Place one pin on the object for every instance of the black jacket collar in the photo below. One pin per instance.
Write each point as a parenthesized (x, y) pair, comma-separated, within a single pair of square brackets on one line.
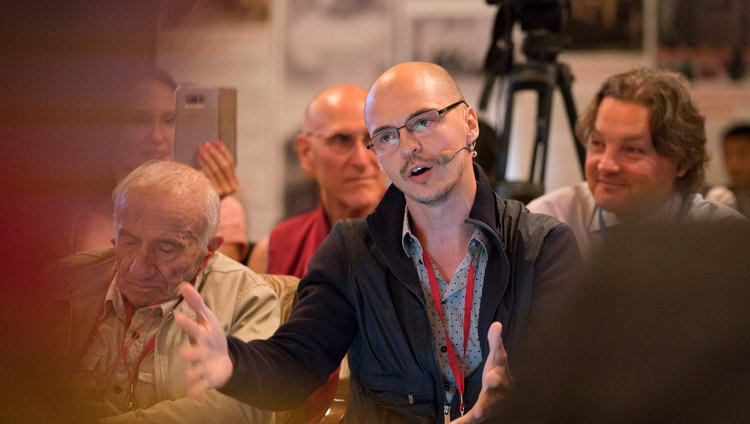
[(386, 222)]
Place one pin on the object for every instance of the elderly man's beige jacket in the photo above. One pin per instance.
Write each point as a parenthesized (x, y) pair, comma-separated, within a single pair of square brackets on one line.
[(242, 301)]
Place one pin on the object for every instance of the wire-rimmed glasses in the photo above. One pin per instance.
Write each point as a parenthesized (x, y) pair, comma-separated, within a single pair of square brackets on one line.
[(425, 123)]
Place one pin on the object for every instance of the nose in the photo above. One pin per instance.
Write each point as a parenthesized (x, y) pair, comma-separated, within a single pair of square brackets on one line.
[(141, 265), (360, 155), (157, 133), (608, 162), (408, 143)]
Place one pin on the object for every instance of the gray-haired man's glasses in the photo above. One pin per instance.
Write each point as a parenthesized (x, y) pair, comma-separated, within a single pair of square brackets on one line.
[(342, 142)]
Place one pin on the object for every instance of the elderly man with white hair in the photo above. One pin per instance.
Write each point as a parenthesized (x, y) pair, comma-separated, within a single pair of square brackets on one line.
[(121, 341)]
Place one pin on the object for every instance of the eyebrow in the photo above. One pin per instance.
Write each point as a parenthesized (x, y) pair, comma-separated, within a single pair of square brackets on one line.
[(634, 137), (387, 127), (126, 233), (169, 240)]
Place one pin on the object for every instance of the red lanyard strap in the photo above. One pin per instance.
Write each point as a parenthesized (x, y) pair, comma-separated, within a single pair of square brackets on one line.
[(133, 377), (468, 299)]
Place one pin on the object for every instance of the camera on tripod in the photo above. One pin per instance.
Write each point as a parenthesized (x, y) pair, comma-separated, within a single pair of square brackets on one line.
[(544, 23)]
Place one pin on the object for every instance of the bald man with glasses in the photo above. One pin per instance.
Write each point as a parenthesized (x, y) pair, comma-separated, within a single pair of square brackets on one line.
[(332, 149), (432, 295)]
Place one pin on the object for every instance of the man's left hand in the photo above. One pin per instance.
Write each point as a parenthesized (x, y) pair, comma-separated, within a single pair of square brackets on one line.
[(218, 165), (496, 380)]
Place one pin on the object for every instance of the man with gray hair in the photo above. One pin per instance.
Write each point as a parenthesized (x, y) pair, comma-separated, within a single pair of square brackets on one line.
[(121, 341)]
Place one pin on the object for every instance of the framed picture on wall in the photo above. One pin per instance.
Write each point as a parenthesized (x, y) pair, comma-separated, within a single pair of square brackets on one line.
[(197, 13), (704, 39), (335, 41), (606, 25), (452, 34)]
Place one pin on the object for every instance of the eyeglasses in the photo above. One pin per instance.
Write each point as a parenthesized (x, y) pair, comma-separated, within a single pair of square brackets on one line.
[(342, 142), (425, 123)]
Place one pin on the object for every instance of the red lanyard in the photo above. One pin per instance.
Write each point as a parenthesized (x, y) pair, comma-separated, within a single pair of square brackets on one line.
[(133, 377), (468, 299)]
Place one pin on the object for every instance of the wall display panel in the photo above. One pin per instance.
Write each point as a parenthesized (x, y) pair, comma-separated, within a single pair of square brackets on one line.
[(610, 25), (704, 39)]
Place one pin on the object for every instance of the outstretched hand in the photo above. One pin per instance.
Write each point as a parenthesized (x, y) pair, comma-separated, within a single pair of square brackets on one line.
[(496, 380), (218, 165), (207, 358)]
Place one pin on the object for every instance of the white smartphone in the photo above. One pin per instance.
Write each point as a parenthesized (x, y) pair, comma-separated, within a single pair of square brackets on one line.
[(204, 114)]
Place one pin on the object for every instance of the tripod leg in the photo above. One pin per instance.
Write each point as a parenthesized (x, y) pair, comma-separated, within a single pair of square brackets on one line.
[(565, 80), (503, 136), (544, 109)]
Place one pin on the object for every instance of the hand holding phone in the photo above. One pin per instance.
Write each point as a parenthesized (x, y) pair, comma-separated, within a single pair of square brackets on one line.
[(205, 115), (217, 164)]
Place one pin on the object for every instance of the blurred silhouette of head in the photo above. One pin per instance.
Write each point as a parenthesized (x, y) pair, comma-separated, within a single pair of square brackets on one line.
[(658, 332), (736, 141)]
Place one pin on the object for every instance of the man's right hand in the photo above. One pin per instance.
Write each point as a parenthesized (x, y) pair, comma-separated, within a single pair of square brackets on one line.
[(207, 358), (496, 381)]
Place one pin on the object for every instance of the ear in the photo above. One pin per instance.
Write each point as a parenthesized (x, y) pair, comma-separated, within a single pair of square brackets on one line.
[(682, 169), (304, 152), (472, 125), (215, 242)]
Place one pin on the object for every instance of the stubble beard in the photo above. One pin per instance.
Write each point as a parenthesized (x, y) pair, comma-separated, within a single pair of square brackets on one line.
[(437, 198)]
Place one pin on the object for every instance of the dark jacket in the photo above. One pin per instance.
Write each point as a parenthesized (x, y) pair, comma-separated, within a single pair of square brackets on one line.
[(362, 294)]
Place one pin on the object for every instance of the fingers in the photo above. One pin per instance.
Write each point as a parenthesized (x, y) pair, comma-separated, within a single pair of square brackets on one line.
[(217, 164), (205, 323), (197, 370), (494, 335), (498, 355), (191, 357), (190, 327), (192, 373), (469, 418), (496, 379), (196, 389), (194, 299)]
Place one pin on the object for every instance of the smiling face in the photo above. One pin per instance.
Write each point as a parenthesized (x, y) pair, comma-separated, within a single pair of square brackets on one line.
[(157, 244), (625, 173), (332, 150), (415, 165), (148, 128)]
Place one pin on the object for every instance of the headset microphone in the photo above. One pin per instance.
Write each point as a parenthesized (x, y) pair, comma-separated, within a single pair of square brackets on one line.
[(447, 155)]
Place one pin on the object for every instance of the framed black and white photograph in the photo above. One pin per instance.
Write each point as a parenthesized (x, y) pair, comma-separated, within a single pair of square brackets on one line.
[(331, 42), (198, 13), (704, 39), (452, 34), (605, 25)]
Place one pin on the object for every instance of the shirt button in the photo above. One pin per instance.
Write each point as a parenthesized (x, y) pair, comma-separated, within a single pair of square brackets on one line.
[(443, 349)]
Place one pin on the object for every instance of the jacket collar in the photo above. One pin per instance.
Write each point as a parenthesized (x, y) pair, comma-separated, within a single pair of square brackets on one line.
[(386, 222), (485, 210), (385, 226), (200, 280)]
